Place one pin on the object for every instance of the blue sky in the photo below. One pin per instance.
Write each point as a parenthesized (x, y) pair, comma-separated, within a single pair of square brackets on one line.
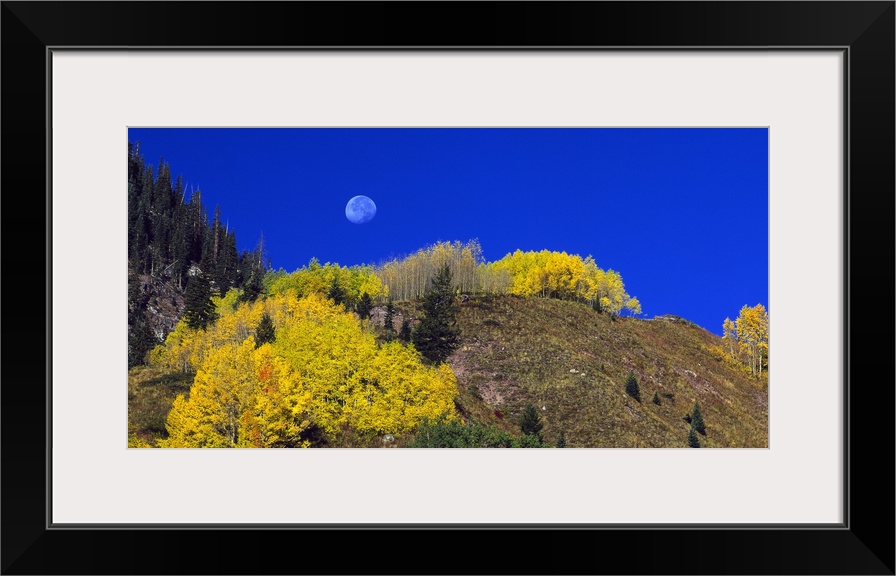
[(681, 214)]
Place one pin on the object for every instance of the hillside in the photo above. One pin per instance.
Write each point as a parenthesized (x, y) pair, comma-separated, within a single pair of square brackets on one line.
[(572, 362), (568, 360)]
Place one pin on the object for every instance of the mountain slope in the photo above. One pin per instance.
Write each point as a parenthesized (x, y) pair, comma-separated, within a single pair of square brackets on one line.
[(572, 362)]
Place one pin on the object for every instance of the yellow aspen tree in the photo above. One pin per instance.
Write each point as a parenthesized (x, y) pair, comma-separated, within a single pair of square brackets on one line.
[(278, 415), (729, 334), (752, 333)]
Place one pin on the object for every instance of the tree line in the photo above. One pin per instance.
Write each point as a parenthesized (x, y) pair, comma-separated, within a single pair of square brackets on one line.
[(746, 338), (288, 371), (544, 274), (172, 242)]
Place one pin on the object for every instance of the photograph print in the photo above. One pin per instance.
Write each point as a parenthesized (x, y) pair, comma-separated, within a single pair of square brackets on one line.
[(448, 288)]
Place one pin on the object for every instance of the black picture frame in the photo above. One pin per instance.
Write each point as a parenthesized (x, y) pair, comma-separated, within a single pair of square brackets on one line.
[(864, 544)]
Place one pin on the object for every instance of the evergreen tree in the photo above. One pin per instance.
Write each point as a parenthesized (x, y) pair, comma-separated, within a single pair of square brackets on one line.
[(162, 217), (405, 333), (265, 331), (364, 306), (195, 227), (530, 422), (221, 254), (697, 419), (141, 253), (200, 310), (389, 320), (336, 293), (437, 335), (140, 341), (656, 398), (180, 249), (631, 387), (250, 278), (230, 259), (561, 441), (253, 267), (693, 441), (135, 194)]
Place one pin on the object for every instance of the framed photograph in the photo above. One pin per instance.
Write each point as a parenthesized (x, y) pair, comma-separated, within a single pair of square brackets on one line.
[(814, 79)]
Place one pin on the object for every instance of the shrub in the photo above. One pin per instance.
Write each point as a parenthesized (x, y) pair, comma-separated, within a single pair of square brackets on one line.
[(440, 433), (697, 419), (529, 441), (561, 440), (631, 387)]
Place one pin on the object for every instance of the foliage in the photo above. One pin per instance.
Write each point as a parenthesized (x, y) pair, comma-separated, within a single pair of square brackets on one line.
[(440, 432), (405, 333), (746, 339), (752, 334), (729, 335), (561, 440), (322, 375), (697, 422), (169, 233), (411, 277), (437, 335), (348, 285), (265, 331), (253, 267), (200, 310), (545, 274), (567, 277), (656, 398), (336, 293), (530, 441), (631, 386), (227, 304), (530, 421), (140, 341), (389, 319), (693, 441), (364, 306), (134, 441)]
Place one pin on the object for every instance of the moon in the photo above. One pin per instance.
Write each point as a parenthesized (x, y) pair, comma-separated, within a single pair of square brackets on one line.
[(360, 210)]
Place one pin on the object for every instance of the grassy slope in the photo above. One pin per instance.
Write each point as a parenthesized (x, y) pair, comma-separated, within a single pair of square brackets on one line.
[(150, 395), (516, 350)]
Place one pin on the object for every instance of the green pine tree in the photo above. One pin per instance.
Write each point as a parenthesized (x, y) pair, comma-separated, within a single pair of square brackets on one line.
[(437, 335), (656, 398), (200, 310), (530, 422), (693, 441), (389, 320), (336, 293), (697, 422), (251, 278), (405, 333), (364, 305), (561, 441), (140, 341), (265, 331), (631, 386), (253, 267)]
